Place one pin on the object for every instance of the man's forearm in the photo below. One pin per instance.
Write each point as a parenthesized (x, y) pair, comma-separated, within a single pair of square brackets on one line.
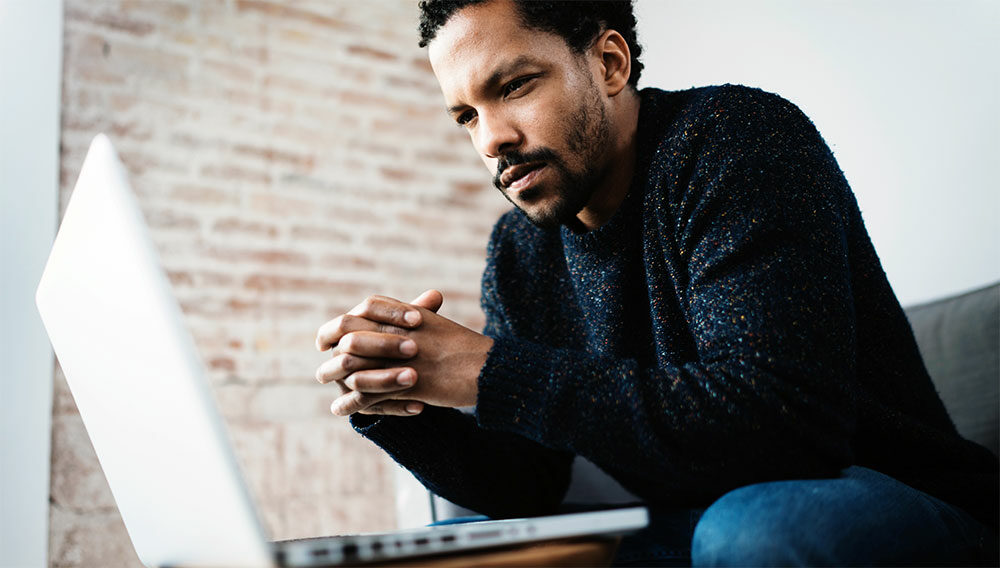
[(498, 474)]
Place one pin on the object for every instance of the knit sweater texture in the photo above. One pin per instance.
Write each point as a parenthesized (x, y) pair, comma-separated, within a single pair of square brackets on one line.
[(730, 324)]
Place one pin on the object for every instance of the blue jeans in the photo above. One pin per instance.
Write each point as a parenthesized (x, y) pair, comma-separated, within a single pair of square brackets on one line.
[(861, 518)]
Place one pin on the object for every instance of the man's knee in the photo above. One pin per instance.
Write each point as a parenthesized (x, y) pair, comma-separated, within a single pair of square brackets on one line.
[(860, 518), (746, 527)]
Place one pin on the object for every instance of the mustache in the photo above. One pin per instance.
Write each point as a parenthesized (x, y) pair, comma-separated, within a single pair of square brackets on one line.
[(514, 158)]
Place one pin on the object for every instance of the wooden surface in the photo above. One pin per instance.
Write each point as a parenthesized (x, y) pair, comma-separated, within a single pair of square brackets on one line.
[(577, 552)]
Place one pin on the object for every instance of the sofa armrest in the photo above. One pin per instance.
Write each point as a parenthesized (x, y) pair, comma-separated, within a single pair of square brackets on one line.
[(959, 338)]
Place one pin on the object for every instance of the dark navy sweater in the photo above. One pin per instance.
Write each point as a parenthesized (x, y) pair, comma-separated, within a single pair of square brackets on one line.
[(730, 324)]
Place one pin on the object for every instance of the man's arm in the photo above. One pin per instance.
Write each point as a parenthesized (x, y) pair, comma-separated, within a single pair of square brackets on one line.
[(498, 474), (767, 293)]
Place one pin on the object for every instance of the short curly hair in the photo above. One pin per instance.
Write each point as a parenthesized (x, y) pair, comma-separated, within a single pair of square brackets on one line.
[(579, 22)]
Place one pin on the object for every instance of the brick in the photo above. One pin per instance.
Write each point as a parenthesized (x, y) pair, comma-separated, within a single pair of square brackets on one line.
[(280, 205), (471, 187), (287, 309), (234, 173), (228, 70), (170, 219), (146, 63), (270, 282), (77, 479), (301, 161), (203, 195), (112, 20), (222, 364), (400, 242), (280, 11), (85, 539), (179, 278), (199, 279), (367, 52), (348, 218), (342, 262), (327, 234), (163, 13), (231, 225), (235, 308), (397, 174)]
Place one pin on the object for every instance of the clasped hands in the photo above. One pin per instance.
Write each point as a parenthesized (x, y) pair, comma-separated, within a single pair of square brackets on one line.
[(392, 358)]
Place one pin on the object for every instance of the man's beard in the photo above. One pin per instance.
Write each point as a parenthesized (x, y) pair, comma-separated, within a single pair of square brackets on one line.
[(588, 138)]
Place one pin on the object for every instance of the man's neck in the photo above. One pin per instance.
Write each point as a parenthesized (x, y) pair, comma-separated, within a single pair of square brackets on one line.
[(621, 165)]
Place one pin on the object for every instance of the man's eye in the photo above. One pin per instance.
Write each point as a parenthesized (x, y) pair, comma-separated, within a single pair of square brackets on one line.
[(464, 118), (515, 85)]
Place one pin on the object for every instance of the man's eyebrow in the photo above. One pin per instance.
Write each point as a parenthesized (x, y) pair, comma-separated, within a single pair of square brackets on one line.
[(497, 75)]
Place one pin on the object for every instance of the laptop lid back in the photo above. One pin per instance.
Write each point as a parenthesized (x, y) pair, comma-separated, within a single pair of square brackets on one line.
[(138, 382)]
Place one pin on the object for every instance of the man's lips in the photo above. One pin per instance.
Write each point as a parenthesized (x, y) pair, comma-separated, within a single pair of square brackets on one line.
[(517, 177)]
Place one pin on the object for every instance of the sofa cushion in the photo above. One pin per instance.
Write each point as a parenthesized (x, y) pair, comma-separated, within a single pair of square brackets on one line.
[(959, 338)]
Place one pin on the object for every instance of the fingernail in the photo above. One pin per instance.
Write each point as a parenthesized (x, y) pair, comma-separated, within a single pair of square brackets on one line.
[(413, 408), (408, 347), (405, 378), (412, 318)]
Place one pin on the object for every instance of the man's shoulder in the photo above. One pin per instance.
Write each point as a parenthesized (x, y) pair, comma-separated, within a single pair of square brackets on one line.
[(715, 100), (730, 110)]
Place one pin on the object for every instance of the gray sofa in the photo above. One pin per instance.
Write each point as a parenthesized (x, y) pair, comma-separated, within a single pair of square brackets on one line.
[(959, 338)]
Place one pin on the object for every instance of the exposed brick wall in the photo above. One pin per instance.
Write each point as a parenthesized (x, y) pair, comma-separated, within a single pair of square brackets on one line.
[(291, 158)]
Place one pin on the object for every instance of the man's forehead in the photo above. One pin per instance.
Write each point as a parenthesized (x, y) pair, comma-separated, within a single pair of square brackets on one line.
[(481, 42), (475, 28)]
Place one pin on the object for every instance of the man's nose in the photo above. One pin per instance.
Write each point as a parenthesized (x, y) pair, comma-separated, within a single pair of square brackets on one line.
[(497, 135)]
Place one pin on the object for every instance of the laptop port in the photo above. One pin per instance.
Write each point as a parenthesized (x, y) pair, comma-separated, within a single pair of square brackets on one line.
[(485, 534), (350, 551)]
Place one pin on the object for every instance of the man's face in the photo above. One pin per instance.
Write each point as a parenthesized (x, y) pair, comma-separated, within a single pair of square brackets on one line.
[(531, 106)]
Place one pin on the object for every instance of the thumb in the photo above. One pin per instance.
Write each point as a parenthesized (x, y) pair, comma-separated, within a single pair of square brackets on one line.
[(431, 300)]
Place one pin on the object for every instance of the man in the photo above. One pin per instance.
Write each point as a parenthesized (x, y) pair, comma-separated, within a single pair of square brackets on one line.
[(685, 295)]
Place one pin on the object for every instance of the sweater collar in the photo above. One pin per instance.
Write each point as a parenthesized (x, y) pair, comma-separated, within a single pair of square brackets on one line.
[(609, 235)]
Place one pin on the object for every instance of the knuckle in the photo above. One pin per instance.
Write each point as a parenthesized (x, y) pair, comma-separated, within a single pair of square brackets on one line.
[(388, 328), (348, 342), (324, 333), (369, 304), (351, 383), (339, 325), (347, 362), (396, 314), (382, 343), (360, 400)]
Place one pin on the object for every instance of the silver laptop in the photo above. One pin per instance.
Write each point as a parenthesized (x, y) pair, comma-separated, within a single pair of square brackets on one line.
[(141, 389)]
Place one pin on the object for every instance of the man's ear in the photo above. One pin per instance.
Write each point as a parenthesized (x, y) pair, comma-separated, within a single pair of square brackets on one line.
[(616, 61)]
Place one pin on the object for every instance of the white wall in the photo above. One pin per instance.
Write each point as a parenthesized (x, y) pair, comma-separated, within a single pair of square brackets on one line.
[(30, 75), (905, 92)]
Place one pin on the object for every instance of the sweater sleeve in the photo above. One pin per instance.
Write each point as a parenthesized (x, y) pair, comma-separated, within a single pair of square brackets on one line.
[(755, 233), (495, 473)]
